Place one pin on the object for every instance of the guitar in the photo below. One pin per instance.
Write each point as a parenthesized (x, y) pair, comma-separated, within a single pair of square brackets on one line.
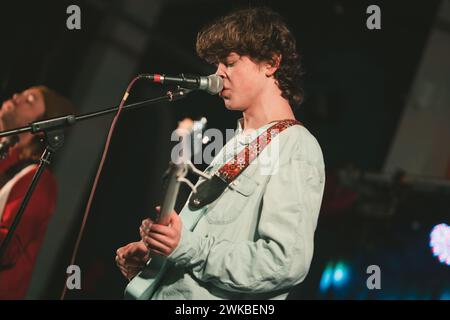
[(143, 285)]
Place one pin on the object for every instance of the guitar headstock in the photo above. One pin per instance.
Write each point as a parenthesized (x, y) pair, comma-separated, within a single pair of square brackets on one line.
[(189, 134)]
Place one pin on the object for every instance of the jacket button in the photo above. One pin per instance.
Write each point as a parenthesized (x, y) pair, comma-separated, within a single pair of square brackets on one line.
[(196, 202)]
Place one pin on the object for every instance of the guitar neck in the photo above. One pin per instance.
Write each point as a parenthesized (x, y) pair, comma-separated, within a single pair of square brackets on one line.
[(170, 194)]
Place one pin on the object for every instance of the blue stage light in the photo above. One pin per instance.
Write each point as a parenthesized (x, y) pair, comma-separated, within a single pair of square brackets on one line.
[(340, 274), (327, 277)]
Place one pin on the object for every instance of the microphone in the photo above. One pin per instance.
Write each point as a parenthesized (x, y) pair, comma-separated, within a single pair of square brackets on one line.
[(6, 144), (212, 84)]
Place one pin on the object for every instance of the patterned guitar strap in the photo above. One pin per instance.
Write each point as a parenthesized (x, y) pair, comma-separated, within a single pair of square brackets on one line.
[(209, 190)]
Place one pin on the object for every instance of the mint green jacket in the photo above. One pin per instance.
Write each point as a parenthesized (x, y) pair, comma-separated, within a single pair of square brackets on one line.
[(256, 241)]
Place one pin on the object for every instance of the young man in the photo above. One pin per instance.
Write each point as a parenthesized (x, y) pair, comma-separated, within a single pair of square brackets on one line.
[(256, 239), (17, 169)]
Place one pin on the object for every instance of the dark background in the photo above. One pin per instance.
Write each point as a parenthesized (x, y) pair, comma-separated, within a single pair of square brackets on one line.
[(356, 83)]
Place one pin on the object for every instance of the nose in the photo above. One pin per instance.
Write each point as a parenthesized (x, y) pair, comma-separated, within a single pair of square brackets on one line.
[(17, 98), (221, 70)]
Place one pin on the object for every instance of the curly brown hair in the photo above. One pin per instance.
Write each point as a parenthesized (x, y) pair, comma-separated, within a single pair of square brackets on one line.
[(262, 35)]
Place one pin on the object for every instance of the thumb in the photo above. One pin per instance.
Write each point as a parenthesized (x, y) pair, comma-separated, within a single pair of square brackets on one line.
[(175, 220)]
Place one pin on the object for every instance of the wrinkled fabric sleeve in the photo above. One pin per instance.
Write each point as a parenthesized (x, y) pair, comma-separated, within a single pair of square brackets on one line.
[(34, 220), (281, 255)]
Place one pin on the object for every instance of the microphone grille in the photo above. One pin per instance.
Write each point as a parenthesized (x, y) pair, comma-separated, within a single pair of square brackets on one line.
[(215, 84)]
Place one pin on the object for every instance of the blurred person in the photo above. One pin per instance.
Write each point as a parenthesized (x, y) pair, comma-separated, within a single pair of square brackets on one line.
[(16, 172)]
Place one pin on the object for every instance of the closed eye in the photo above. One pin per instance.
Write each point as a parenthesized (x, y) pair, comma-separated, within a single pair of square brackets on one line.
[(30, 98)]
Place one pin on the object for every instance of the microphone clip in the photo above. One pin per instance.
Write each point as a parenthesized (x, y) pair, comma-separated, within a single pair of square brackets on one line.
[(178, 94)]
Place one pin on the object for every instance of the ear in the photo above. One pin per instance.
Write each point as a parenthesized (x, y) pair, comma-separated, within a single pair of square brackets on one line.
[(273, 65)]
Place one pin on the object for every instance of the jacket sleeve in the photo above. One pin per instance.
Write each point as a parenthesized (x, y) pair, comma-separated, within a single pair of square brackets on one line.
[(34, 220), (281, 255)]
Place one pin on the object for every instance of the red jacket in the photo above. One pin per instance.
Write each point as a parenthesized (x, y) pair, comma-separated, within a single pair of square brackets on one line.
[(17, 264)]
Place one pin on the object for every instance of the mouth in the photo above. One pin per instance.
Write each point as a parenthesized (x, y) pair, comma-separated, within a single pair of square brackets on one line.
[(225, 92)]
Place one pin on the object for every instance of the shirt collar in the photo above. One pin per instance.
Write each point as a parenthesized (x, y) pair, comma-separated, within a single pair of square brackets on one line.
[(248, 137)]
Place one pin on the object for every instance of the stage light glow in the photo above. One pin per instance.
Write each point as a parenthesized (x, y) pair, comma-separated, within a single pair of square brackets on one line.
[(327, 278), (338, 275), (440, 243), (334, 275), (445, 295), (341, 274)]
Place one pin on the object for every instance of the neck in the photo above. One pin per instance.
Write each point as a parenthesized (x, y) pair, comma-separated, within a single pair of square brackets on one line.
[(270, 107)]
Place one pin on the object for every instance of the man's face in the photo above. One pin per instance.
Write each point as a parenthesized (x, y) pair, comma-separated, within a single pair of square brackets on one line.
[(22, 109), (243, 81)]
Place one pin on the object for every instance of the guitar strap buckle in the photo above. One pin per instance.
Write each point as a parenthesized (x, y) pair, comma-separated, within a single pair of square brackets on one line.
[(207, 192)]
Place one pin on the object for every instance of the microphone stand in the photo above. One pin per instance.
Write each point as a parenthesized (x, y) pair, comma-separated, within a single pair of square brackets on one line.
[(53, 130)]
